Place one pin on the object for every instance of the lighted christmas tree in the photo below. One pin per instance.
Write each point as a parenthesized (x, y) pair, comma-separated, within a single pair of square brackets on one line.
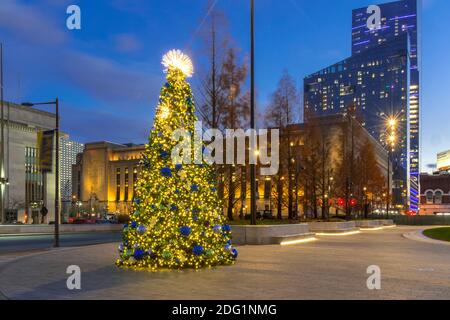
[(177, 219)]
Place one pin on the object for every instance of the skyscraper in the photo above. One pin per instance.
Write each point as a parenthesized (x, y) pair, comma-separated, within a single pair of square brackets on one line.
[(68, 157), (380, 81)]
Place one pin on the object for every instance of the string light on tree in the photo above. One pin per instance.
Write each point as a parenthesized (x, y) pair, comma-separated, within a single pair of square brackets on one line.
[(176, 220)]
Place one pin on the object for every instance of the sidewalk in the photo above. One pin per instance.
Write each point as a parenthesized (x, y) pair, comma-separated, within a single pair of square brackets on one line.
[(330, 268), (15, 230)]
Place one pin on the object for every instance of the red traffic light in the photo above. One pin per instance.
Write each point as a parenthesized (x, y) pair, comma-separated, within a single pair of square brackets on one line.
[(353, 202), (341, 202)]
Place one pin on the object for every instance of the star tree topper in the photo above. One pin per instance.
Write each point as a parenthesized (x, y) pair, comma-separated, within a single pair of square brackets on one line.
[(178, 60)]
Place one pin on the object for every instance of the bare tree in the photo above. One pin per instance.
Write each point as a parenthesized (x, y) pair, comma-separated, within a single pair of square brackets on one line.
[(234, 114), (281, 113)]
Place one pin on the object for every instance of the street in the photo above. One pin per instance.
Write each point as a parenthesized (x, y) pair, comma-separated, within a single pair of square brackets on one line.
[(333, 267), (24, 243)]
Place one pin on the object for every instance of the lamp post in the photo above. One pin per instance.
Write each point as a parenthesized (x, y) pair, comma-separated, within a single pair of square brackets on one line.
[(57, 195), (392, 124), (3, 180), (252, 111)]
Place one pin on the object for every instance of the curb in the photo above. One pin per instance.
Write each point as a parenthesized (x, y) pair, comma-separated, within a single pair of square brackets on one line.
[(5, 235), (419, 236)]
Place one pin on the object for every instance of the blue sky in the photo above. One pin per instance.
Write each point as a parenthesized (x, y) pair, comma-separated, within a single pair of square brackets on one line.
[(108, 74)]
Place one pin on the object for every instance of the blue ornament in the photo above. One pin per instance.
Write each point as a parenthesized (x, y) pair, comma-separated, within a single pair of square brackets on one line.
[(160, 134), (195, 218), (194, 188), (177, 191), (217, 228), (234, 253), (189, 100), (134, 224), (139, 254), (197, 250), (153, 206), (141, 229), (229, 242), (173, 208), (167, 85), (137, 201), (213, 189), (228, 247), (185, 231), (178, 167), (226, 228), (166, 172), (125, 242), (195, 211), (125, 226), (164, 154)]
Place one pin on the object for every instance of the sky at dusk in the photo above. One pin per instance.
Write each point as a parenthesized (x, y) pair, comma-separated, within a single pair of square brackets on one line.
[(108, 74)]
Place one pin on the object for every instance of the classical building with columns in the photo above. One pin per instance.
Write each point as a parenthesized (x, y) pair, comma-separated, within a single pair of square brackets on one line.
[(104, 176)]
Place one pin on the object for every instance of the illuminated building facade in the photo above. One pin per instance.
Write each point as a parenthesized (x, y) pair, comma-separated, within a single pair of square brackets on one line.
[(379, 81), (68, 151), (104, 176), (443, 161)]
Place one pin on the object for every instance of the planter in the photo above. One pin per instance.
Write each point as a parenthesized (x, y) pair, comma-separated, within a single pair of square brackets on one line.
[(333, 227), (373, 224), (267, 235), (369, 224)]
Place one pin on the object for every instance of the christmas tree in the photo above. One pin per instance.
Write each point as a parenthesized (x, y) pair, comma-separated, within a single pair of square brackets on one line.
[(177, 219)]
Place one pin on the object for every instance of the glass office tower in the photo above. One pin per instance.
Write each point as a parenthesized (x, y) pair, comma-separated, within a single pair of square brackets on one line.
[(397, 18), (380, 80)]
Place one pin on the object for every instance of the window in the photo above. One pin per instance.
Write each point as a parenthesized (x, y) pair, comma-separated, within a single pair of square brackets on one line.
[(438, 197), (127, 174), (118, 184), (429, 196)]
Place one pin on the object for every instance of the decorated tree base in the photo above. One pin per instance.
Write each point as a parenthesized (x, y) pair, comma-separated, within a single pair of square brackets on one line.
[(177, 220)]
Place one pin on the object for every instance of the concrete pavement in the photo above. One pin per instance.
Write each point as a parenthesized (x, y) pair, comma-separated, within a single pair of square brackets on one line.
[(23, 243), (334, 267)]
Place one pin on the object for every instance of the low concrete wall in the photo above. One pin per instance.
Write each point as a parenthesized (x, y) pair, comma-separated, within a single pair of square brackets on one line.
[(374, 223), (332, 227), (64, 228), (387, 222), (264, 235), (369, 223)]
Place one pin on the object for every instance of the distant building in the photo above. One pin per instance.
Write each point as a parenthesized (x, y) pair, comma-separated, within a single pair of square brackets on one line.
[(435, 195), (68, 151), (443, 161), (339, 132), (29, 187), (104, 176), (380, 80)]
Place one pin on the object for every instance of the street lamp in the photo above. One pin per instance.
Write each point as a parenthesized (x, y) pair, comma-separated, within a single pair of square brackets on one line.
[(252, 111), (391, 127), (57, 211)]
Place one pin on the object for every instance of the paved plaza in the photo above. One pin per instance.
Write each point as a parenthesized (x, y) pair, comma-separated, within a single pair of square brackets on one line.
[(333, 267)]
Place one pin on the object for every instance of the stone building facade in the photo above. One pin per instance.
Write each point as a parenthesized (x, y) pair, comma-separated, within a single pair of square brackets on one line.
[(104, 176), (435, 194), (28, 188)]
